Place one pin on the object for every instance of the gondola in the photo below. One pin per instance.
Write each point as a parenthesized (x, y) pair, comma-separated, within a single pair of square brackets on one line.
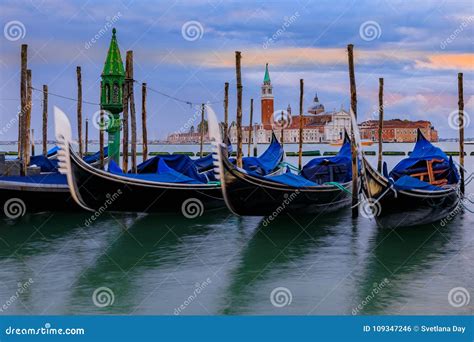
[(47, 191), (421, 189), (165, 190), (323, 185)]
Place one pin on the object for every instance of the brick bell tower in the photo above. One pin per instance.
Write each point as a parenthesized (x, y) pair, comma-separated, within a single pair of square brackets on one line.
[(267, 101)]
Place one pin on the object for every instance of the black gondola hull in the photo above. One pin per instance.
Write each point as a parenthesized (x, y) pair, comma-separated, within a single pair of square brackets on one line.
[(98, 190), (392, 209), (248, 195), (36, 198)]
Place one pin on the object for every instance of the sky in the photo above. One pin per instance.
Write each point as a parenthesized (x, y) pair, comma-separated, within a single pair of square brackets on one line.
[(186, 49)]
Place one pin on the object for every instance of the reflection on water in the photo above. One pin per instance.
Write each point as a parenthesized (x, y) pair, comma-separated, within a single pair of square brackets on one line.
[(156, 264)]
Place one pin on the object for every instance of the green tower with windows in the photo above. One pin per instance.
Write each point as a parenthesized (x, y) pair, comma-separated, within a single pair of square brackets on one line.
[(111, 96)]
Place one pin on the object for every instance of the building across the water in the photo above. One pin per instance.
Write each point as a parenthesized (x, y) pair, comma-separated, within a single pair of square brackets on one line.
[(319, 125), (397, 130)]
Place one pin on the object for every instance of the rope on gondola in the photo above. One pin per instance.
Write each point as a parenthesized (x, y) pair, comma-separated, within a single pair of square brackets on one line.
[(466, 208)]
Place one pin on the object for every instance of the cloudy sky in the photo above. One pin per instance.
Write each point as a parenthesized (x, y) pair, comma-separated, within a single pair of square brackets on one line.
[(186, 50)]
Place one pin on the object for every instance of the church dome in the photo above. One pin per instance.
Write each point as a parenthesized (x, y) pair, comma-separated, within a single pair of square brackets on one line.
[(316, 107)]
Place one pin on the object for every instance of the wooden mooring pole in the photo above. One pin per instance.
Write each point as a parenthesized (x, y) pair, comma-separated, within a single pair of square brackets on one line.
[(226, 110), (202, 129), (79, 109), (300, 143), (27, 150), (461, 129), (250, 127), (355, 170), (23, 104), (45, 119), (32, 141), (86, 140), (239, 107), (133, 116), (144, 131), (380, 135)]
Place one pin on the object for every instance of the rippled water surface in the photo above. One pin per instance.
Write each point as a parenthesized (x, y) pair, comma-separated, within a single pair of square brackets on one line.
[(223, 264)]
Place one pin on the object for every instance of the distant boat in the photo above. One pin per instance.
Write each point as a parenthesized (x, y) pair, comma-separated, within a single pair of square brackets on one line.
[(365, 142)]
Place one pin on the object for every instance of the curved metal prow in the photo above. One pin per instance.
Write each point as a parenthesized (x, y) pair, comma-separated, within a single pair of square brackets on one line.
[(63, 134)]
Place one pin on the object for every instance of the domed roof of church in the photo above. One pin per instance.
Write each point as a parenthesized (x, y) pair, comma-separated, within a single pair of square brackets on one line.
[(316, 107)]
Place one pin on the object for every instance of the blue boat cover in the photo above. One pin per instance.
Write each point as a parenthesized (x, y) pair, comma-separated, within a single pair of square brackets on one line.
[(331, 169), (416, 162), (54, 150), (412, 183), (46, 165), (163, 174), (206, 163), (291, 179), (266, 162), (181, 163), (96, 156)]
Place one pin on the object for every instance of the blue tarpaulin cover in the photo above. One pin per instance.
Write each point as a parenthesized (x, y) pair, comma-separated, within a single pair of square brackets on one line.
[(46, 165), (416, 162), (163, 174), (291, 179), (180, 163), (96, 156), (331, 169), (411, 183), (206, 163), (54, 150), (266, 162), (317, 165)]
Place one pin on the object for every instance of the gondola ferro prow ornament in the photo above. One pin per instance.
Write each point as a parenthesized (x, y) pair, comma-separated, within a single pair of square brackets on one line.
[(63, 132)]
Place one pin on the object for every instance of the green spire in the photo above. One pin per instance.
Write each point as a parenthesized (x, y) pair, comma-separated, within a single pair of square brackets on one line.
[(266, 79), (113, 64)]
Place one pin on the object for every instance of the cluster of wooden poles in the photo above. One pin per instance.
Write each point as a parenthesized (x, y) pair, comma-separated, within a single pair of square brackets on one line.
[(25, 138)]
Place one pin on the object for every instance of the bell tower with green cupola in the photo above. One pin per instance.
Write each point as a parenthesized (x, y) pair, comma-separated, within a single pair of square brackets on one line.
[(113, 78)]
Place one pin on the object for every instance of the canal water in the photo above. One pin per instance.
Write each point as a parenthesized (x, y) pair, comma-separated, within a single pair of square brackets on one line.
[(221, 264)]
